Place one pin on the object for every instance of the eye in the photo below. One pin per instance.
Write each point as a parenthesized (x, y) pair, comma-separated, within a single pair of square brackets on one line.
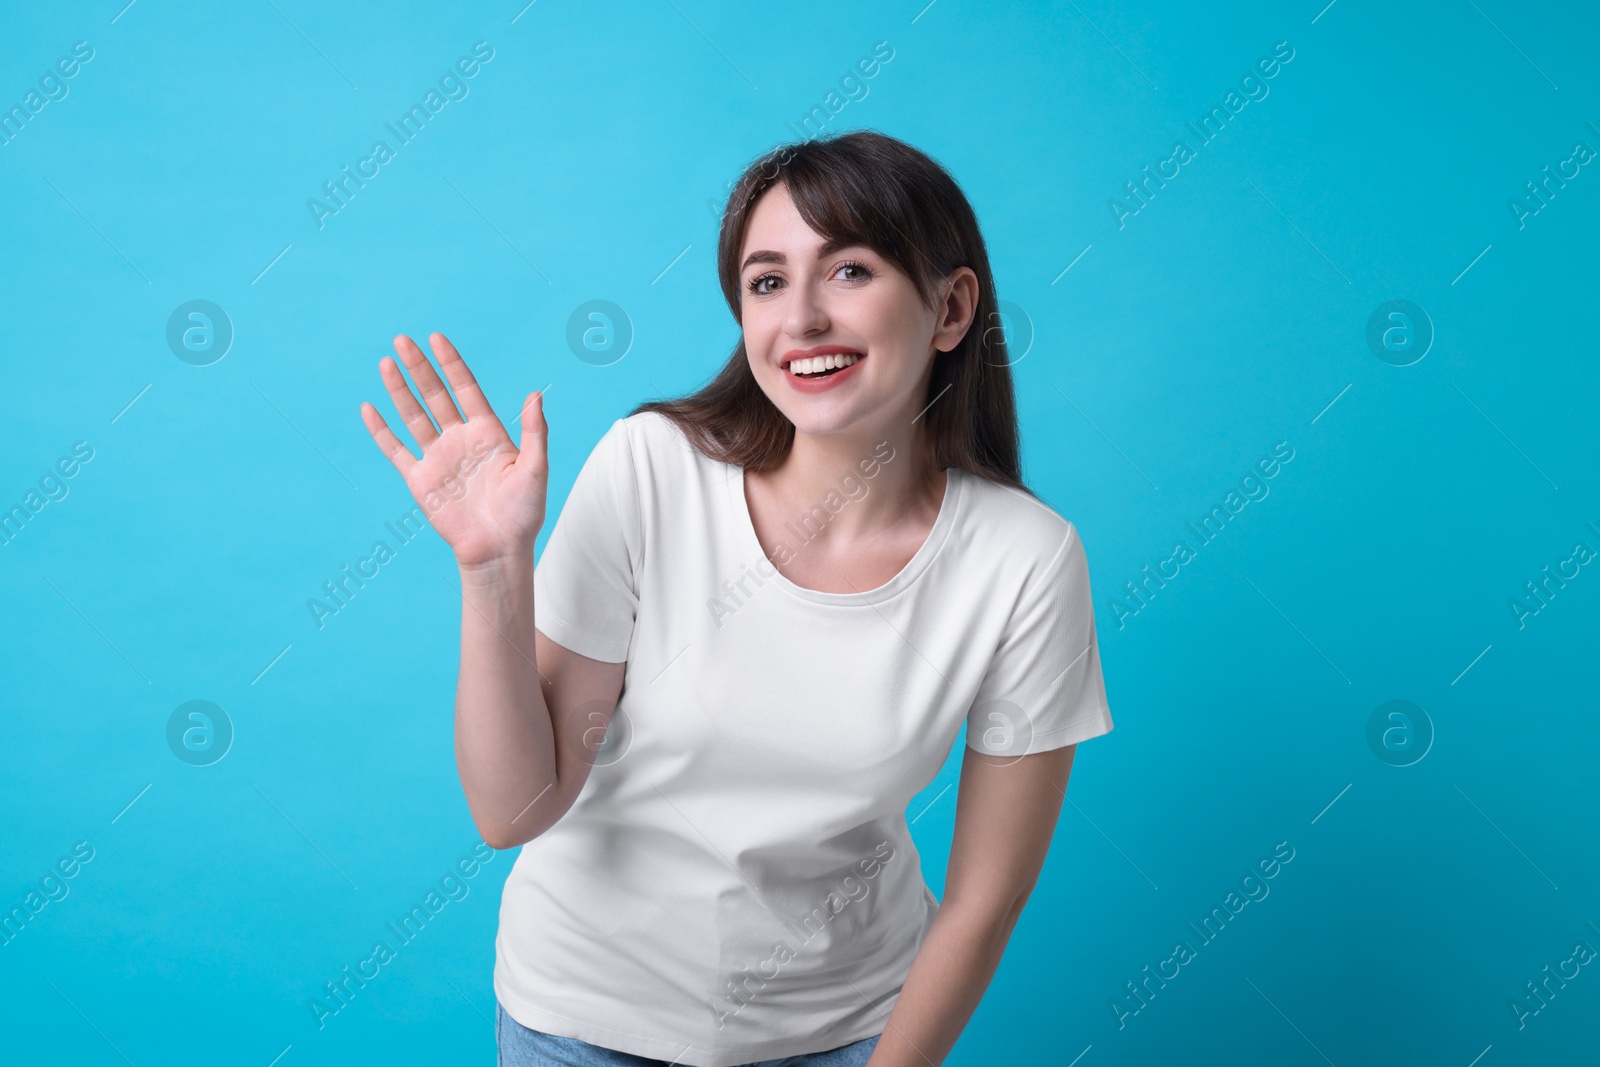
[(863, 273)]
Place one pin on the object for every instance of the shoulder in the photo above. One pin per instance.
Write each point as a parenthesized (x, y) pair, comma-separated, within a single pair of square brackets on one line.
[(638, 438), (657, 453), (1015, 526), (652, 432)]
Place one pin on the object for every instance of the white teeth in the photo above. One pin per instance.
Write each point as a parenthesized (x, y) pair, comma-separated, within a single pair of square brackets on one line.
[(818, 364)]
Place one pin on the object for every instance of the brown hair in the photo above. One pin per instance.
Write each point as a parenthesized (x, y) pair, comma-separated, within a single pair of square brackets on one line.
[(880, 192)]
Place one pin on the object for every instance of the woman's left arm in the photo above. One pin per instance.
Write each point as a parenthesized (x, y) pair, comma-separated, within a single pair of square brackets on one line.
[(1006, 811)]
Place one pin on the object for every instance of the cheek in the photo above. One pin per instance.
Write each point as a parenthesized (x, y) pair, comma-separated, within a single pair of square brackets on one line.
[(758, 336), (900, 324), (766, 327)]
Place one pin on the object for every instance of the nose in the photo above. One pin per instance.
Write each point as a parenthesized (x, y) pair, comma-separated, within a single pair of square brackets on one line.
[(805, 314)]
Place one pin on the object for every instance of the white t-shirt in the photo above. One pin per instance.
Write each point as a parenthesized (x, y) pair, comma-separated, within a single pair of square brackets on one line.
[(736, 881)]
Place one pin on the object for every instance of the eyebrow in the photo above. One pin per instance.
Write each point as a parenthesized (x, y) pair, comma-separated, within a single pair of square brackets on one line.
[(827, 249)]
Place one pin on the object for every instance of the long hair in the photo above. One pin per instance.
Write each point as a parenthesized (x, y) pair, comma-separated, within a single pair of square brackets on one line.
[(877, 191)]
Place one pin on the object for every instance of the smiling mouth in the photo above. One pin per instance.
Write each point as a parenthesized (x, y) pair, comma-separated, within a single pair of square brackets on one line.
[(822, 366)]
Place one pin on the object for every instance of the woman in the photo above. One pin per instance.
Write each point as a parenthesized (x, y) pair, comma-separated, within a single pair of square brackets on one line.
[(755, 632)]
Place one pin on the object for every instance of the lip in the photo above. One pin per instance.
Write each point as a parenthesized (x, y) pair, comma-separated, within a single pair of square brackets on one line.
[(818, 385)]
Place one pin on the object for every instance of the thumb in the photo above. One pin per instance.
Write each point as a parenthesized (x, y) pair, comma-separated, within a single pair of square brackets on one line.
[(535, 435)]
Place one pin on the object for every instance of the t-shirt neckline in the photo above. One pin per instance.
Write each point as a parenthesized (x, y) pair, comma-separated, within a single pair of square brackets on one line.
[(949, 508)]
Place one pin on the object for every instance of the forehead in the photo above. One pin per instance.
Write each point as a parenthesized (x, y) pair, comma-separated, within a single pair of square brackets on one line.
[(776, 225)]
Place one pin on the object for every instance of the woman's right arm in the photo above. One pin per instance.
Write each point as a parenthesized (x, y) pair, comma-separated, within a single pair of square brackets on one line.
[(530, 714)]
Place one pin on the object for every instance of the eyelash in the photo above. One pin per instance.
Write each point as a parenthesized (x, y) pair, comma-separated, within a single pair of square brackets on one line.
[(756, 281)]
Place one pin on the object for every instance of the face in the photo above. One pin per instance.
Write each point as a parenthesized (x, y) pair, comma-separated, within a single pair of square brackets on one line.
[(803, 298)]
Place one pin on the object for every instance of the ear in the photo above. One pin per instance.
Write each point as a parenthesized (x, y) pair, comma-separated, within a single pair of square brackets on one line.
[(956, 309)]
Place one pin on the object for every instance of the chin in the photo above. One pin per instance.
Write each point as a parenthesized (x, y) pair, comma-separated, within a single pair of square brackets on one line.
[(818, 415), (823, 423)]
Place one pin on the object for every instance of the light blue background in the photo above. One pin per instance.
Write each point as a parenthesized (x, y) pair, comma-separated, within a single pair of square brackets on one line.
[(1226, 316)]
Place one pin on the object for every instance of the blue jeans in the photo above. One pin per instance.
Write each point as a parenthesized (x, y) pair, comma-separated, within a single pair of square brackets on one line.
[(522, 1047)]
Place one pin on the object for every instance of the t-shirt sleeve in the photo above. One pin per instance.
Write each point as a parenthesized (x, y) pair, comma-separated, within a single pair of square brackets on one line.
[(586, 583), (1043, 688)]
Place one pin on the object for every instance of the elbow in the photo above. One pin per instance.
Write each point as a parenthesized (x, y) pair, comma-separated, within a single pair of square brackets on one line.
[(497, 840), (503, 836), (500, 835), (995, 914), (1016, 909), (501, 830)]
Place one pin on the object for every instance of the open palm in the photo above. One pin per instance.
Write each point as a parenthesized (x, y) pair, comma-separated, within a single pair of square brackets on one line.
[(484, 496)]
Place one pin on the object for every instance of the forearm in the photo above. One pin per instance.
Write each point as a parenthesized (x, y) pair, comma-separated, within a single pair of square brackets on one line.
[(505, 744), (946, 981)]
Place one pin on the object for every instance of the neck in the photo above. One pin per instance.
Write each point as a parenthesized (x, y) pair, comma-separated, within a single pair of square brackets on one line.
[(863, 482)]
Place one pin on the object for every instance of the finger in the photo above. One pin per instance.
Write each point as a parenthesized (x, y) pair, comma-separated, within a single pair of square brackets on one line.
[(434, 394), (405, 401), (398, 454), (533, 454), (473, 403)]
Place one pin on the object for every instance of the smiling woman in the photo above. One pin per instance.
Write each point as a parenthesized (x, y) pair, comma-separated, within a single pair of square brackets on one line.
[(921, 236), (677, 897)]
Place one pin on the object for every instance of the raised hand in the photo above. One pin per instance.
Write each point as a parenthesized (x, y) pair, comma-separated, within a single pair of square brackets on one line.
[(483, 495)]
